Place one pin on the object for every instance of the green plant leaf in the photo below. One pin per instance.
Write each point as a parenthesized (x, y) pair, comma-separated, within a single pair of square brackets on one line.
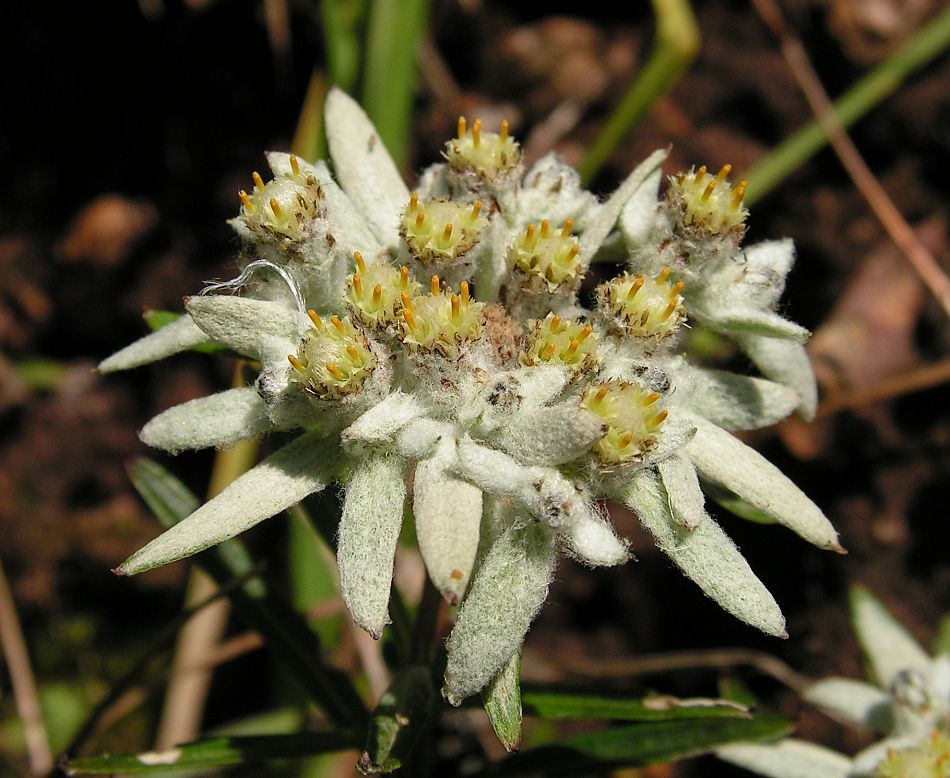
[(502, 700), (549, 704), (398, 721), (639, 745), (215, 752), (286, 634)]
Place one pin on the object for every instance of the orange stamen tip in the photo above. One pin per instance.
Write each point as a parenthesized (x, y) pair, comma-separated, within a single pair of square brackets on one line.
[(701, 172), (258, 181), (549, 349), (455, 306), (709, 190), (377, 294), (566, 229), (626, 440), (650, 399), (294, 165), (545, 228), (660, 417), (335, 321), (360, 263), (246, 200), (420, 218), (275, 207), (461, 126), (354, 354), (555, 323), (413, 202), (477, 132), (296, 363), (403, 276), (585, 333), (724, 171), (575, 250), (529, 233), (447, 232), (664, 274), (504, 129), (739, 192), (334, 370), (601, 394), (669, 311), (463, 288), (358, 285), (677, 288), (434, 285), (317, 321), (476, 209), (569, 351)]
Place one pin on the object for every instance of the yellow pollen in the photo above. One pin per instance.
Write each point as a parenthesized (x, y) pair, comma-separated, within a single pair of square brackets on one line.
[(555, 323), (504, 129), (455, 306), (626, 440), (275, 207), (650, 399), (545, 228), (664, 274), (377, 294), (585, 333), (461, 126), (668, 311), (566, 229), (334, 371), (601, 394), (258, 181), (335, 321), (413, 202), (660, 417), (447, 232), (701, 172), (358, 259), (408, 313), (635, 287), (420, 218), (247, 201), (358, 285), (575, 250), (317, 321), (477, 132), (403, 276), (724, 171), (677, 288), (294, 166), (548, 350), (738, 193), (463, 288), (529, 235), (434, 285), (709, 190), (476, 209), (569, 351), (354, 354), (296, 363)]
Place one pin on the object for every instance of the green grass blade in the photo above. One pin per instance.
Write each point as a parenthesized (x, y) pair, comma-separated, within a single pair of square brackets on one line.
[(502, 701), (282, 628), (399, 720), (677, 45), (394, 32), (639, 745), (881, 82), (310, 141), (215, 752), (547, 704), (342, 34)]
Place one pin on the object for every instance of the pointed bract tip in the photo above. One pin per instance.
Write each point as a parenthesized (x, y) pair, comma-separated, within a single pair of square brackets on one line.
[(120, 571), (450, 698), (839, 549)]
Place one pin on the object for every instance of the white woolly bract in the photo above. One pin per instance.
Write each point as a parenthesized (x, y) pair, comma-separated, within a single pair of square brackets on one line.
[(856, 701), (722, 458), (592, 541), (366, 541), (380, 424), (245, 325), (737, 402), (638, 220), (785, 362), (681, 483), (509, 588), (888, 647), (181, 335), (302, 467), (217, 420), (549, 436), (789, 759), (706, 555), (448, 513)]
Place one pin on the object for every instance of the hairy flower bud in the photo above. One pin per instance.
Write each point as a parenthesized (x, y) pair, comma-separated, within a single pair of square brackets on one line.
[(486, 154), (643, 307), (374, 292), (440, 321), (546, 257), (554, 341), (632, 416), (284, 207), (440, 231), (334, 359), (707, 204)]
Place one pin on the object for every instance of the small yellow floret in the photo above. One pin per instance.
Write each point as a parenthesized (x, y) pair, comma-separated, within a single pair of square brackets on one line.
[(929, 759), (709, 203), (644, 307), (485, 153), (633, 419), (549, 254), (284, 206), (374, 292), (334, 359), (440, 321), (440, 230), (555, 341)]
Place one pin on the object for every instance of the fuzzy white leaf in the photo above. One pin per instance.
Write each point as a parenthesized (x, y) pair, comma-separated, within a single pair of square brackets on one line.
[(181, 335), (419, 437), (687, 501), (448, 513), (856, 701), (706, 555), (888, 647), (363, 167), (245, 325), (604, 218), (295, 471), (592, 541), (722, 458), (549, 436), (552, 190), (785, 362), (380, 424), (217, 420), (736, 402), (366, 542), (509, 588), (767, 265), (789, 759), (638, 218), (753, 321)]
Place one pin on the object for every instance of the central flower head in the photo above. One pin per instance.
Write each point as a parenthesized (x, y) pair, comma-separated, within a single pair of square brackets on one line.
[(555, 341), (374, 292), (284, 206), (334, 359), (486, 154), (440, 320), (708, 203), (547, 255), (643, 307), (440, 230), (632, 416)]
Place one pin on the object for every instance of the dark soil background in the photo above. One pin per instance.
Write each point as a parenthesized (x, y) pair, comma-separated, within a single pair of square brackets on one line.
[(126, 131)]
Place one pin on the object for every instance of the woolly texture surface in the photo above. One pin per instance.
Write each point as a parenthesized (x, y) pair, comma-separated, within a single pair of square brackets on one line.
[(217, 420), (295, 471), (508, 590), (244, 324), (550, 436), (788, 759), (592, 541), (726, 460), (888, 647), (785, 362), (178, 336), (366, 543), (736, 402), (706, 555), (687, 501)]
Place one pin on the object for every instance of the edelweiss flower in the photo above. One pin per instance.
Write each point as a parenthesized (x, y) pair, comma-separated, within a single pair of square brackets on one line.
[(910, 703), (521, 411)]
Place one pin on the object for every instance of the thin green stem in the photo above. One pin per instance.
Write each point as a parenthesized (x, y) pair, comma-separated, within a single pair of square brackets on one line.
[(342, 33), (677, 45), (881, 82)]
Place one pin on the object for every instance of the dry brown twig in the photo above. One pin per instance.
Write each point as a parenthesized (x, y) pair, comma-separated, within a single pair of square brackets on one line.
[(922, 261)]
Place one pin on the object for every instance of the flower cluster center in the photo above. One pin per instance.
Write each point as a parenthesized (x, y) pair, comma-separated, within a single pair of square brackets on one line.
[(440, 320), (644, 307), (374, 292), (551, 255), (709, 203), (334, 359), (487, 154), (283, 206), (440, 230), (555, 341), (632, 416)]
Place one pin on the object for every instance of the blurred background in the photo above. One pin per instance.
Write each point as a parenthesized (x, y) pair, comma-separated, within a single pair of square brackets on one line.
[(127, 129)]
